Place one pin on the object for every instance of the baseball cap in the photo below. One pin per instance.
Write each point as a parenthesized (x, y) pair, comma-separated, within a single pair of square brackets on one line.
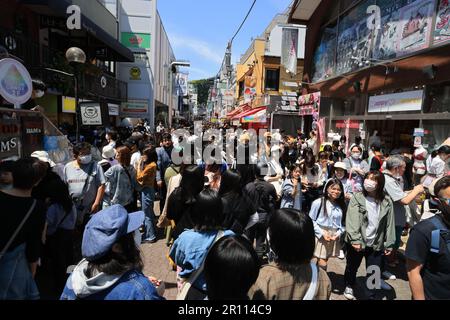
[(43, 156), (106, 227)]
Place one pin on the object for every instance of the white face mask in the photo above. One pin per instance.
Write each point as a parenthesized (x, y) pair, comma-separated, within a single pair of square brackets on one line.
[(85, 159), (39, 93), (356, 156), (370, 185)]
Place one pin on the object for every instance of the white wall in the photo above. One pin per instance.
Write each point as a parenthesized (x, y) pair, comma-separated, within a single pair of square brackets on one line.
[(275, 40), (137, 16)]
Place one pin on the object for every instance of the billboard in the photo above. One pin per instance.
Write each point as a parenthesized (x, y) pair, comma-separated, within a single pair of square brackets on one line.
[(397, 102)]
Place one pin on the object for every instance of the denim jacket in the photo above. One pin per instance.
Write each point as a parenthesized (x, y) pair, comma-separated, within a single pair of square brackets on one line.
[(132, 285), (119, 186)]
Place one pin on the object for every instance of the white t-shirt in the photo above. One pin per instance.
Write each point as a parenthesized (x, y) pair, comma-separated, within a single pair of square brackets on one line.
[(437, 167), (373, 214)]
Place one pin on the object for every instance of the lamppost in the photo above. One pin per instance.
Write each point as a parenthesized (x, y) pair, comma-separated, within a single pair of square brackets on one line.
[(76, 57)]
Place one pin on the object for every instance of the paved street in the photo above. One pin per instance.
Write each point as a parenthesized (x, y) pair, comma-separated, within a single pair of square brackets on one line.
[(156, 264)]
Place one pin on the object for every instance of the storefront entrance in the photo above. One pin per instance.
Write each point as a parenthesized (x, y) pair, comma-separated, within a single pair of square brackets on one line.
[(394, 134)]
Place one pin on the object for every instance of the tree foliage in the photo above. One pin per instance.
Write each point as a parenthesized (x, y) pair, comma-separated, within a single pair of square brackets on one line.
[(203, 86)]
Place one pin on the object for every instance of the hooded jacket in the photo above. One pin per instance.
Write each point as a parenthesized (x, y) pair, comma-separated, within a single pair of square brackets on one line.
[(132, 285), (357, 221)]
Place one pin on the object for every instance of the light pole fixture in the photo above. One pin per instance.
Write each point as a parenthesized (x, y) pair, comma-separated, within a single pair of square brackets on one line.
[(76, 57)]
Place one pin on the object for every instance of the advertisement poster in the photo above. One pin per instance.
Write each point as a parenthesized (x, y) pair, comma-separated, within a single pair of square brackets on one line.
[(355, 39), (415, 26), (397, 102), (32, 134), (249, 88), (324, 65), (442, 28), (182, 83), (309, 103), (136, 40)]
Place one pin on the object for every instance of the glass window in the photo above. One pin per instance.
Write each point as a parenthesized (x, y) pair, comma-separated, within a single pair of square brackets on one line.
[(437, 99), (436, 132), (325, 55), (272, 79)]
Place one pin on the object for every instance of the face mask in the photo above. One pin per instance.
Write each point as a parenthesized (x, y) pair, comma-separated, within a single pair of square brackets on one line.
[(356, 155), (39, 93), (370, 185), (304, 146), (340, 176), (85, 159)]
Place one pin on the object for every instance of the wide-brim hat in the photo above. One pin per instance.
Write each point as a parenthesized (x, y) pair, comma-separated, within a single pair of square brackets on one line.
[(340, 165), (108, 152)]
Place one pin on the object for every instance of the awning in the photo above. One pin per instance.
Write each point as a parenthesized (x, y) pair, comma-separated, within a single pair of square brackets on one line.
[(239, 110), (249, 113), (258, 117), (123, 54)]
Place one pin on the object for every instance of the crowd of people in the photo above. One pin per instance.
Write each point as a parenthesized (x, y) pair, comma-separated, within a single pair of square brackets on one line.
[(263, 228)]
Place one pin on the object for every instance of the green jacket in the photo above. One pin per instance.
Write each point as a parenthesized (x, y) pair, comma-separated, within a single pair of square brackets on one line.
[(357, 221)]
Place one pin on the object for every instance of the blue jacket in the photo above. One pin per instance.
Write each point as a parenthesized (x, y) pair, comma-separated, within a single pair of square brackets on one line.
[(133, 285), (164, 161)]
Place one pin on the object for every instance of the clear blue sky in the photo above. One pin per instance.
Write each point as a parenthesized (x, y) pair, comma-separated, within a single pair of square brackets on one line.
[(199, 30)]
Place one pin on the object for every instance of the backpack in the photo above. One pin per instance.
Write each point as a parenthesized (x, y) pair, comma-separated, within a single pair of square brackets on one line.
[(441, 232)]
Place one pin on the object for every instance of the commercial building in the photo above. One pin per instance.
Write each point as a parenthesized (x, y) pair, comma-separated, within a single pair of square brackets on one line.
[(379, 65), (265, 85)]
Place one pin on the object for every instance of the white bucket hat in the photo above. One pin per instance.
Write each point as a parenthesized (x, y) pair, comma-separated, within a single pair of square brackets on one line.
[(108, 152), (43, 156)]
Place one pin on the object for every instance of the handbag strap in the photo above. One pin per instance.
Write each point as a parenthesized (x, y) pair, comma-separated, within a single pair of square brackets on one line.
[(311, 293), (190, 281), (5, 249)]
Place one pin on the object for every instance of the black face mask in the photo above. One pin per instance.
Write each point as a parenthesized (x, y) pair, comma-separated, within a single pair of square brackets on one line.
[(444, 208)]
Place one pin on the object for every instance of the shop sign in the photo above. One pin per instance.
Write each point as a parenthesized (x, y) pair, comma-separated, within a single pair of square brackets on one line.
[(136, 40), (113, 109), (134, 109), (15, 82), (397, 102), (249, 88), (417, 142), (342, 124), (309, 103), (135, 73), (32, 134), (91, 115), (68, 105), (419, 132), (9, 138)]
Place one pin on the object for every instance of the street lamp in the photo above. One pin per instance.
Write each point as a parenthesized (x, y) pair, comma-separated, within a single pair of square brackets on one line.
[(76, 57)]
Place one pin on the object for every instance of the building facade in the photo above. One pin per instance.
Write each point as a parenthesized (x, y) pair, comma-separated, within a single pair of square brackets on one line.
[(387, 73)]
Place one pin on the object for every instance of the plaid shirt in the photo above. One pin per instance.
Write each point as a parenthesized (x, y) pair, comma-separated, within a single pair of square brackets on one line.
[(275, 284)]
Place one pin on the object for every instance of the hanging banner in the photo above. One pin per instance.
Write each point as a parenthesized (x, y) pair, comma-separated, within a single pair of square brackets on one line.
[(15, 82), (182, 83), (289, 49)]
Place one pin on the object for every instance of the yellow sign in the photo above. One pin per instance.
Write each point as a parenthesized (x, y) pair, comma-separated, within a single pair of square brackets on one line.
[(68, 104), (135, 73)]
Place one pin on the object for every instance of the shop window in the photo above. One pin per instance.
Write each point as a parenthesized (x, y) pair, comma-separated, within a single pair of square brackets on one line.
[(325, 55), (438, 99), (272, 79), (436, 132)]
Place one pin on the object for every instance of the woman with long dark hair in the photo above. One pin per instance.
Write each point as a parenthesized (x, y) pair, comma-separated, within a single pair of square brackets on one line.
[(61, 220), (237, 208), (370, 229), (328, 215), (146, 177), (183, 197), (292, 192), (312, 178)]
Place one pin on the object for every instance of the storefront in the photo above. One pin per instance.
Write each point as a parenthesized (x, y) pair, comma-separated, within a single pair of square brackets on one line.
[(392, 80)]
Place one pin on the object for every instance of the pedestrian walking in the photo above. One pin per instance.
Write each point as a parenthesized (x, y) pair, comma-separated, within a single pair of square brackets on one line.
[(112, 266), (164, 160), (190, 249), (370, 230), (231, 268), (108, 158), (121, 181), (23, 220), (428, 251), (328, 215), (290, 275), (146, 177)]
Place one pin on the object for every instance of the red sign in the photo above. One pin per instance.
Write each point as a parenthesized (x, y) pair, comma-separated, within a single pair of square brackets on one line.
[(342, 124)]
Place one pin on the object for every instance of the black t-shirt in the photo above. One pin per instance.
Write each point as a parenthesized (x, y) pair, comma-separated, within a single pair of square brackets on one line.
[(436, 266), (262, 195), (13, 210)]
